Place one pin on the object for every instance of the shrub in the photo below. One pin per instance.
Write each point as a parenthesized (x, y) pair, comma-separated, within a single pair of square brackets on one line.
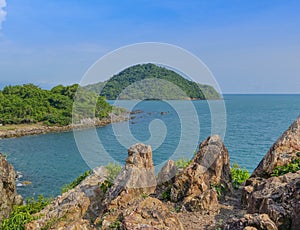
[(76, 182), (113, 171), (219, 188), (23, 214), (293, 167), (239, 175), (182, 163)]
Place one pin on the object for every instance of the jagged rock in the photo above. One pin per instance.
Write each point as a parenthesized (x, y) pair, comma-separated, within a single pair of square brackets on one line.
[(167, 172), (142, 213), (8, 191), (193, 186), (75, 209), (151, 213), (135, 179), (128, 204), (251, 222), (283, 151), (279, 197)]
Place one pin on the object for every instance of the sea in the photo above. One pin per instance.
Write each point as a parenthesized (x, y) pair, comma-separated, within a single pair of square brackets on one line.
[(248, 125)]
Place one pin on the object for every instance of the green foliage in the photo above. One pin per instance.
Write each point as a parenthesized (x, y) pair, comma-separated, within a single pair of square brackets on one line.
[(114, 86), (30, 104), (166, 195), (219, 188), (105, 186), (182, 163), (292, 167), (113, 171), (24, 214), (115, 225), (238, 175), (76, 182)]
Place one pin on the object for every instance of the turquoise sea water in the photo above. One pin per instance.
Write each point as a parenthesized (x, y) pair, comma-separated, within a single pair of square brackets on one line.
[(254, 122)]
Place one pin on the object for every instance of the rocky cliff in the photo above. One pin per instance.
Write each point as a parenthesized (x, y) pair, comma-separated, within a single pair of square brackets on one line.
[(8, 192), (197, 197), (271, 199)]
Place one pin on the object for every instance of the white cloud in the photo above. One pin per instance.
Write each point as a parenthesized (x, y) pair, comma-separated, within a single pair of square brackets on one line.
[(2, 11)]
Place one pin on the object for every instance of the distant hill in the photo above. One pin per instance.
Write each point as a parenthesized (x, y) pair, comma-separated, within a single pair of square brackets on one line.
[(149, 81)]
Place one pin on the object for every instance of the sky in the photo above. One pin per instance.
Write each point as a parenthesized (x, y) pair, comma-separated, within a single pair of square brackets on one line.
[(250, 46)]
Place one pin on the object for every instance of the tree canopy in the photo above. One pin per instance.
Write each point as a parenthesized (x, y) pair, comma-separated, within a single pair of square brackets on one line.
[(114, 87), (30, 104)]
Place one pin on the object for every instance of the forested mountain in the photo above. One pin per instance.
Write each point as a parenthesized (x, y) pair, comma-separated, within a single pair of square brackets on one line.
[(30, 104), (170, 85)]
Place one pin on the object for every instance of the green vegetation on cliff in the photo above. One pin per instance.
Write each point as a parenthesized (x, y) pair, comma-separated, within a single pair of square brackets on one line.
[(149, 81), (30, 104), (23, 214)]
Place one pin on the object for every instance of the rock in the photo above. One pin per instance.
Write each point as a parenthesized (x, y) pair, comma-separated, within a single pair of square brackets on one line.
[(279, 197), (75, 209), (193, 187), (150, 213), (135, 179), (167, 172), (251, 222), (142, 213), (283, 151), (8, 191)]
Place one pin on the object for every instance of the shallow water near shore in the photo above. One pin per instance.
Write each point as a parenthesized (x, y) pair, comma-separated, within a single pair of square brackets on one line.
[(254, 122)]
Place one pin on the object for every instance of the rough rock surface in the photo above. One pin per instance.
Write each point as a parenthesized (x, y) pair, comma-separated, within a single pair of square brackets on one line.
[(279, 197), (135, 179), (127, 202), (251, 222), (75, 209), (8, 192), (193, 187), (167, 172), (143, 213), (283, 151)]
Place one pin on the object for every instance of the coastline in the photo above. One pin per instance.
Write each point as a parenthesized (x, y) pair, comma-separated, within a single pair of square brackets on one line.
[(20, 130)]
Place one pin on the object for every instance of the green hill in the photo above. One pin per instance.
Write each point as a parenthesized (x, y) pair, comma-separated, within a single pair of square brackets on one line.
[(30, 104), (149, 81)]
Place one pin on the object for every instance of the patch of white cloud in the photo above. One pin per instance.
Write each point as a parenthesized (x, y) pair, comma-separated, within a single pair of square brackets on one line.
[(2, 12)]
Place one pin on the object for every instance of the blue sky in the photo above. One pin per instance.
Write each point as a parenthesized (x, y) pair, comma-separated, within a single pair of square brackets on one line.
[(250, 46)]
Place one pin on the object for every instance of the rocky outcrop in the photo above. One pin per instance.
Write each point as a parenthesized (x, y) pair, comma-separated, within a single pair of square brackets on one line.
[(129, 196), (279, 197), (135, 179), (251, 222), (75, 209), (167, 172), (284, 150), (142, 213), (194, 187), (8, 191)]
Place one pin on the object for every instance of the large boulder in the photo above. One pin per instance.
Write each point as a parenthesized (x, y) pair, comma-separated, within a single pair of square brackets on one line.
[(75, 209), (251, 222), (195, 187), (279, 197), (136, 178), (142, 213), (283, 151), (8, 191)]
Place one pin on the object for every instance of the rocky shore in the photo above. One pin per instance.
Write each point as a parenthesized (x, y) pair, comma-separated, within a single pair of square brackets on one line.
[(200, 196), (12, 131)]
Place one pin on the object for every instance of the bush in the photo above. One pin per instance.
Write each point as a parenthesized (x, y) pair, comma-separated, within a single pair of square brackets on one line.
[(76, 182), (239, 175), (292, 167), (182, 163), (23, 214), (113, 171)]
